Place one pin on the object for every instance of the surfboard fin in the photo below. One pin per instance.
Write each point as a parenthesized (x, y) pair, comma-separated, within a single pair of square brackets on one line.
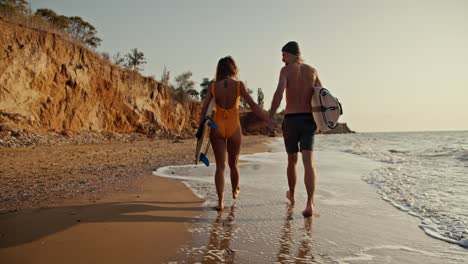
[(204, 159), (212, 125)]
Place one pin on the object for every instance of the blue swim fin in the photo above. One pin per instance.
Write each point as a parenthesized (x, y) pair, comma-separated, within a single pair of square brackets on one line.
[(204, 159)]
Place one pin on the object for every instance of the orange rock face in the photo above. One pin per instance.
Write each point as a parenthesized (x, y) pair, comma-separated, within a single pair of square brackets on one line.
[(51, 83)]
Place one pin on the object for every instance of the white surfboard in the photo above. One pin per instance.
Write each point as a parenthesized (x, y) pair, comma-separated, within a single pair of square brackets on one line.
[(203, 134), (326, 109)]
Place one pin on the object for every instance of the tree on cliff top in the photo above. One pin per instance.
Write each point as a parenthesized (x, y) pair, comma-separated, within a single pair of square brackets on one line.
[(83, 31), (75, 26), (53, 18), (165, 76), (15, 7), (260, 98), (205, 85), (135, 59), (184, 87), (118, 59)]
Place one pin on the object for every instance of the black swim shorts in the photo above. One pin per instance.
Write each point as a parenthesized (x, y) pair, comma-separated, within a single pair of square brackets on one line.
[(298, 132)]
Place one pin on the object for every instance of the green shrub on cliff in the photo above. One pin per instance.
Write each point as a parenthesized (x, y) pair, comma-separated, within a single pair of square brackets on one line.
[(165, 76), (135, 59), (53, 18), (83, 31), (184, 87), (260, 98), (15, 7), (205, 85), (19, 11), (118, 59)]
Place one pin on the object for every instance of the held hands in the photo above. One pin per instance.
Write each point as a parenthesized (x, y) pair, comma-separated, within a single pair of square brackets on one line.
[(264, 120), (271, 124), (270, 121)]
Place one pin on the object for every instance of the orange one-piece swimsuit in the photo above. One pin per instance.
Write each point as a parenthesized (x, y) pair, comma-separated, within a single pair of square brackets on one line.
[(227, 119)]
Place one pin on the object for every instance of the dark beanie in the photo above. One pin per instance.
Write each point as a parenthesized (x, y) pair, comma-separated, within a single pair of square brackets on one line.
[(292, 47)]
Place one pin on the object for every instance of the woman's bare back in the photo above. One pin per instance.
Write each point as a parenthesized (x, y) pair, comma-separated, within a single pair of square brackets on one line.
[(226, 93)]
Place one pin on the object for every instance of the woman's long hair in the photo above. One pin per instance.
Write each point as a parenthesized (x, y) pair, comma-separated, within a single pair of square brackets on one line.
[(226, 68)]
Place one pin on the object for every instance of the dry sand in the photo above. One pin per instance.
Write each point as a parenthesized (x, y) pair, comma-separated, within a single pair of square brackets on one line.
[(97, 203)]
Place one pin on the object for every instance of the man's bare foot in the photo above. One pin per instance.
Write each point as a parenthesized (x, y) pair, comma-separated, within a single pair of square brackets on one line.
[(235, 193), (290, 197), (308, 212), (219, 207)]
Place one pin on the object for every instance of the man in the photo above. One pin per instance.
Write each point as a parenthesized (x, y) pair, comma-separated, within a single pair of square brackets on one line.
[(298, 79)]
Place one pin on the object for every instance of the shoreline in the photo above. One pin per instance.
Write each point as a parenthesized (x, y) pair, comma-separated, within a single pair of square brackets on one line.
[(119, 201), (352, 223)]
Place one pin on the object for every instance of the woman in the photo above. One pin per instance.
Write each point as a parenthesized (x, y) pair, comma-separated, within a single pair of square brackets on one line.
[(227, 90)]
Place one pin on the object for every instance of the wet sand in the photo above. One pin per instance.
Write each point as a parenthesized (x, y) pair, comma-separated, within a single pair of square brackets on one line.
[(352, 224), (97, 203)]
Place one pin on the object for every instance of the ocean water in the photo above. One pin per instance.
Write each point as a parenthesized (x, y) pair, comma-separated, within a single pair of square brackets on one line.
[(423, 173), (377, 193)]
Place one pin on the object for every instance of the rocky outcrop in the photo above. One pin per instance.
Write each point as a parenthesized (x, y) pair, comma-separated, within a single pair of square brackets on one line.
[(252, 125), (51, 83), (341, 128)]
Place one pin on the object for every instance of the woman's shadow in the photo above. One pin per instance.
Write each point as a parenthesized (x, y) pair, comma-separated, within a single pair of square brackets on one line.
[(304, 250)]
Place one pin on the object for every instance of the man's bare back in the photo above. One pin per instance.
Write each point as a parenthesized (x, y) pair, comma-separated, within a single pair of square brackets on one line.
[(299, 81)]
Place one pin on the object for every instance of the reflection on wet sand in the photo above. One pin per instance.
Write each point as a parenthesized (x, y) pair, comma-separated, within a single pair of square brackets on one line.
[(304, 251), (219, 249)]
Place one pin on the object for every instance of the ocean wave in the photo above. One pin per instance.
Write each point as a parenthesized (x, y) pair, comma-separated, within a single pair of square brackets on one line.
[(411, 192), (386, 157), (422, 175), (398, 151), (459, 153), (462, 155), (434, 232)]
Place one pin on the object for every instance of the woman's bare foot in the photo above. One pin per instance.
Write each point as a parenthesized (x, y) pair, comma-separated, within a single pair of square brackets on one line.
[(290, 197), (235, 193), (308, 212)]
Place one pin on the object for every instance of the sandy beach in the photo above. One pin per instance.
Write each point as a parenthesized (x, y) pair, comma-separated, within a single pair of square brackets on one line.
[(100, 103), (97, 203), (352, 223)]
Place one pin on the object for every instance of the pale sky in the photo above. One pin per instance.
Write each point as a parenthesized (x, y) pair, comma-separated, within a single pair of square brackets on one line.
[(395, 65)]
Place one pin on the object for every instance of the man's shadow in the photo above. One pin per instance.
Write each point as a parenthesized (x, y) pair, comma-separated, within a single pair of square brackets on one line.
[(304, 251), (32, 224)]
